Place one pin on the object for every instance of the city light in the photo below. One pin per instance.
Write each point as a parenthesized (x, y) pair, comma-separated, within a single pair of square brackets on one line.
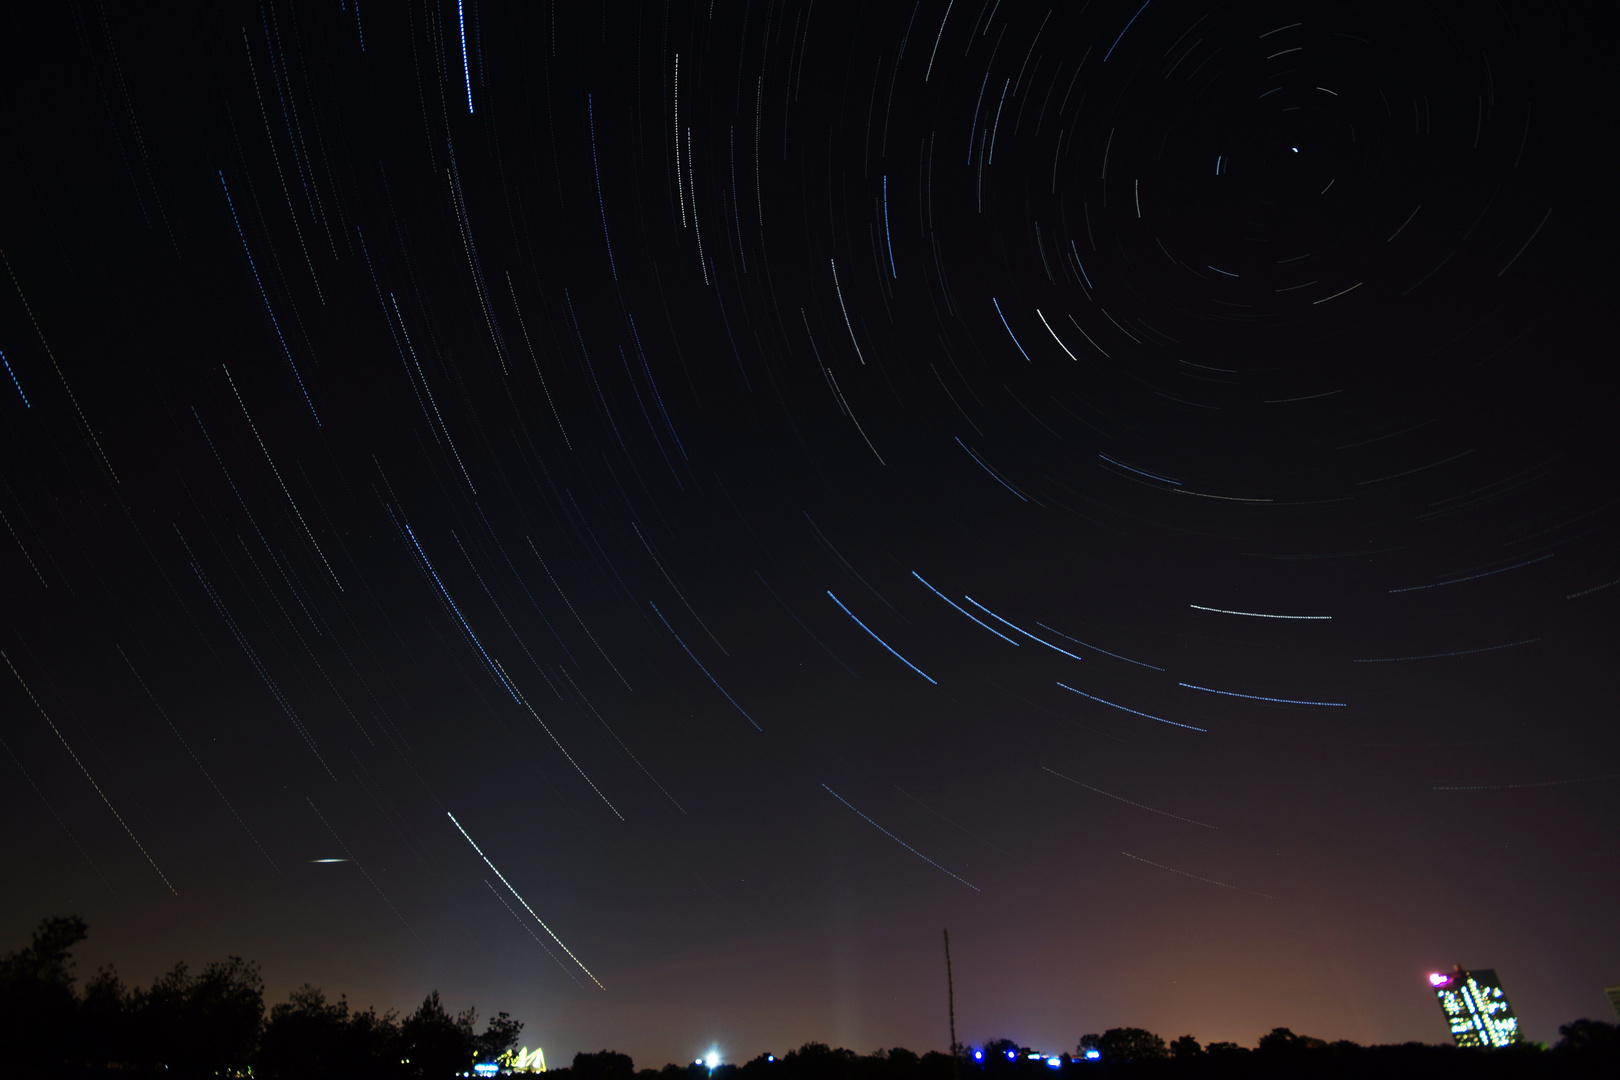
[(978, 1055), (1476, 1008), (1054, 1062), (712, 1058), (1093, 1055), (487, 1068)]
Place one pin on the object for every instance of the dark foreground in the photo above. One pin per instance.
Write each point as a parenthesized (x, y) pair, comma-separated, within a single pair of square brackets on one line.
[(213, 1023), (1587, 1049)]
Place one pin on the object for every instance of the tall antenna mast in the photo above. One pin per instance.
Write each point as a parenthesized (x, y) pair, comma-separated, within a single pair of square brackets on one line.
[(950, 992)]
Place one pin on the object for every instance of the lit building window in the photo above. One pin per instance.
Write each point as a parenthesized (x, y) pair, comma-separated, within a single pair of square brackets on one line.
[(1476, 1007)]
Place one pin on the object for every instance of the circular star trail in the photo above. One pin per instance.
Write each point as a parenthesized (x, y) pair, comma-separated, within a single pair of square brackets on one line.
[(637, 515)]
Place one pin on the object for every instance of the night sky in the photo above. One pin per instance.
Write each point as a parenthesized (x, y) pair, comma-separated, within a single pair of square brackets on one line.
[(640, 516)]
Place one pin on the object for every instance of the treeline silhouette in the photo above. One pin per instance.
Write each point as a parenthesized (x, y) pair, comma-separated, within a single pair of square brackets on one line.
[(213, 1023), (1588, 1050)]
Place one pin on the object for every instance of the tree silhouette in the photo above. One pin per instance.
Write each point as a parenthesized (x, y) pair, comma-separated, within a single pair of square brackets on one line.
[(500, 1037), (1589, 1048), (435, 1044), (306, 1038), (997, 1051), (38, 1008), (1282, 1040), (1125, 1044), (102, 1022), (604, 1065), (197, 1026), (188, 1025)]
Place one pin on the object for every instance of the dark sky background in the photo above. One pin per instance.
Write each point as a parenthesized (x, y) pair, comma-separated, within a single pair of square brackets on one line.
[(1131, 483)]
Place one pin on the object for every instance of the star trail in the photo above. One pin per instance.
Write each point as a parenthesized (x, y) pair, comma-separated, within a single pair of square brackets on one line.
[(607, 430)]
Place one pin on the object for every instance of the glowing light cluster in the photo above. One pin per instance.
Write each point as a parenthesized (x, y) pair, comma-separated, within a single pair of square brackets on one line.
[(1052, 1061), (526, 1060), (1476, 1008)]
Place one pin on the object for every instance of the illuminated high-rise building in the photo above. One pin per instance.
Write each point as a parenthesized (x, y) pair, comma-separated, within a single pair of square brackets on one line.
[(1476, 1007)]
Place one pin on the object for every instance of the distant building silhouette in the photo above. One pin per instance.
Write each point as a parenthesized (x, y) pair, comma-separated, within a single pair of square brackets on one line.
[(1613, 994), (1476, 1007)]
